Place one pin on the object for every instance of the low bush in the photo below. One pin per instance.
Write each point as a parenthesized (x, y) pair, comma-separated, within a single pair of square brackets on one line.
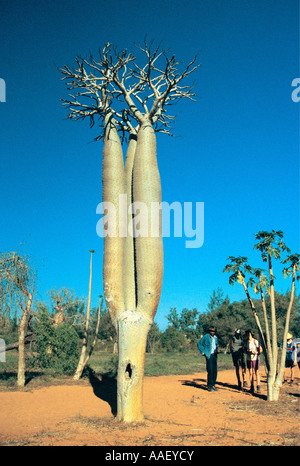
[(55, 348)]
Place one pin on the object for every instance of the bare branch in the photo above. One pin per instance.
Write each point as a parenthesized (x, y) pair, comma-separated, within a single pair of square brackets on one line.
[(115, 83)]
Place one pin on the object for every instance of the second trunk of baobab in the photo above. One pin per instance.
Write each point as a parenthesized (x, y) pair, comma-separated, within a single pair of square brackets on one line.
[(145, 260)]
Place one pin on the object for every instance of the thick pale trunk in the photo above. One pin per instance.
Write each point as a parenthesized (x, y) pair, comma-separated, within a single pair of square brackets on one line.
[(113, 180), (276, 392), (148, 249), (271, 393), (129, 277), (22, 334), (59, 316), (133, 263), (133, 328)]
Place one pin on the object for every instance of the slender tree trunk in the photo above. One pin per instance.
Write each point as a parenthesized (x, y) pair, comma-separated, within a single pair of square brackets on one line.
[(83, 360), (271, 366), (268, 351), (96, 335), (22, 334), (273, 314), (86, 360), (272, 392), (278, 380), (261, 335), (27, 340), (269, 359)]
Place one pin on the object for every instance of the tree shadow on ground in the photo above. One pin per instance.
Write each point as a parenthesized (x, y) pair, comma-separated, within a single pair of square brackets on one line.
[(29, 376), (297, 395), (195, 383), (105, 388), (12, 376), (202, 385)]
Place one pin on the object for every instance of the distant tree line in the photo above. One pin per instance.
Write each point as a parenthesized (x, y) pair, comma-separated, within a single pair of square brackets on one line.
[(56, 346), (55, 332), (186, 328)]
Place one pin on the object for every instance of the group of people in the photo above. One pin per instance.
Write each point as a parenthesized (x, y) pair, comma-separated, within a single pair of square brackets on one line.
[(250, 347), (240, 347)]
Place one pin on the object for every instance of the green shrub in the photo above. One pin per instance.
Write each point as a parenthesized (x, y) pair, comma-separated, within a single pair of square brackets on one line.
[(56, 348), (44, 340), (66, 353), (174, 340)]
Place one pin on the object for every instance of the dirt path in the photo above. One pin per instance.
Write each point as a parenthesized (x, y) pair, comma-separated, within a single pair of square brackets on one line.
[(178, 411)]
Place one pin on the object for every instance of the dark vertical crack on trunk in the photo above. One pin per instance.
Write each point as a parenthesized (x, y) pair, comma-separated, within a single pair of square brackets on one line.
[(128, 371)]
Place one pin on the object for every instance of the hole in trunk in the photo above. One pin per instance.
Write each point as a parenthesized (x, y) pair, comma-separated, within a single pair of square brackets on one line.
[(128, 371)]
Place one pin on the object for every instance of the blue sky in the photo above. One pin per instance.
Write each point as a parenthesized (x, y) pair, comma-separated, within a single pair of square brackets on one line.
[(238, 150)]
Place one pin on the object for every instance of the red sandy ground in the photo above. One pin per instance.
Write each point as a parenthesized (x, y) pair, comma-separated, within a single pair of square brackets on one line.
[(179, 411)]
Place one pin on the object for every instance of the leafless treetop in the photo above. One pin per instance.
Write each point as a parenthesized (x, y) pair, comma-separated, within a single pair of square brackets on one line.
[(115, 86)]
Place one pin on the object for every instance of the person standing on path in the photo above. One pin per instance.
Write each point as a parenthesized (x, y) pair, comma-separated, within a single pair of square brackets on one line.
[(237, 354), (208, 347), (297, 343), (252, 348), (290, 358)]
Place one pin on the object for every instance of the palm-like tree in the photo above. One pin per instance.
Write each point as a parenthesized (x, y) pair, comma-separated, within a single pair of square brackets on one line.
[(271, 247)]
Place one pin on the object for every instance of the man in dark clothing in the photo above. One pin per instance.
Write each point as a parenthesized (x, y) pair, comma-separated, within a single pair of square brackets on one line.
[(236, 350), (208, 346)]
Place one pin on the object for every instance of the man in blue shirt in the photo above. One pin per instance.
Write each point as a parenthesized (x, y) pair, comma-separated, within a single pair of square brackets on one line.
[(208, 346)]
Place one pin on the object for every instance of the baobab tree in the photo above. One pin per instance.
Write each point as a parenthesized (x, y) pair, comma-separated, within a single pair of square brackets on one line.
[(64, 302), (130, 102), (271, 246), (17, 283)]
